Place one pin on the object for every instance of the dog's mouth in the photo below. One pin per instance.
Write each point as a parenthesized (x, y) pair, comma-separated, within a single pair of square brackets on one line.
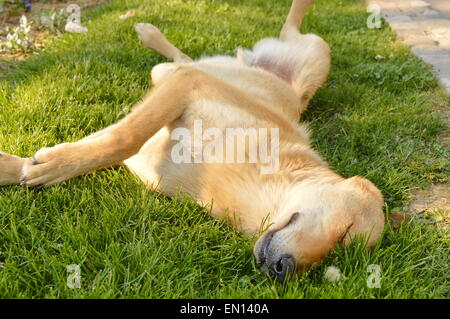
[(276, 265)]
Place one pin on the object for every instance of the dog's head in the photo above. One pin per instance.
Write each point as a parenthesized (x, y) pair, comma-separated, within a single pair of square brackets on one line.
[(322, 218)]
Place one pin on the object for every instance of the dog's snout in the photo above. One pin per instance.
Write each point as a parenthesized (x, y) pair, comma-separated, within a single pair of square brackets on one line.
[(284, 266)]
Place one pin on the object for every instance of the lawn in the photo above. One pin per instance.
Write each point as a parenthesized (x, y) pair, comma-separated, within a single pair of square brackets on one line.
[(378, 116)]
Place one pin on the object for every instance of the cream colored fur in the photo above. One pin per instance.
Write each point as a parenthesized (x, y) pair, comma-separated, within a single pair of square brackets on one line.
[(300, 211)]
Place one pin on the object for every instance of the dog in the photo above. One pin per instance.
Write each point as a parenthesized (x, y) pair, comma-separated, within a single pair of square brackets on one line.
[(297, 207)]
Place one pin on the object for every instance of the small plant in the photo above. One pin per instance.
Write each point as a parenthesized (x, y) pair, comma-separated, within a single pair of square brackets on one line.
[(18, 38)]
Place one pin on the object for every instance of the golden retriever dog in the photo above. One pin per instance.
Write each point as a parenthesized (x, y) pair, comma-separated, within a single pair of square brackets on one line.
[(174, 141)]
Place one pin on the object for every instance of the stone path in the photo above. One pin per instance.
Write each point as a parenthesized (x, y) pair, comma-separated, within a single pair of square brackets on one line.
[(425, 27)]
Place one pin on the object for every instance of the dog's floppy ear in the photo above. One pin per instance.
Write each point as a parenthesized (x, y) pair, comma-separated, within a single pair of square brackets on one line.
[(363, 210), (340, 232)]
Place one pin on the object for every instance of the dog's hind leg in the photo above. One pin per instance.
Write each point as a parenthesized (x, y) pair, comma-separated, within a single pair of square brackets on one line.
[(153, 38), (308, 57), (294, 18), (302, 60)]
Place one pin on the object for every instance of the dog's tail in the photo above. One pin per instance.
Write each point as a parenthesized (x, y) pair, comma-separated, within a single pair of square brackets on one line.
[(295, 17)]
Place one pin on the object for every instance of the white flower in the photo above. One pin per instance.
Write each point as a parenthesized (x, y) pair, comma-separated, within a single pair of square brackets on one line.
[(23, 20), (333, 274)]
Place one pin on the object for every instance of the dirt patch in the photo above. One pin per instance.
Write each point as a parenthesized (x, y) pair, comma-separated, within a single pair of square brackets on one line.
[(437, 197), (431, 205)]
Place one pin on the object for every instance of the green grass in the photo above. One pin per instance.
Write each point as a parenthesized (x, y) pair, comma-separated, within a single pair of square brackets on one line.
[(375, 118)]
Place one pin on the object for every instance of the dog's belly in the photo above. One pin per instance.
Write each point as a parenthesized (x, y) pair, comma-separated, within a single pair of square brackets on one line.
[(256, 82), (175, 158)]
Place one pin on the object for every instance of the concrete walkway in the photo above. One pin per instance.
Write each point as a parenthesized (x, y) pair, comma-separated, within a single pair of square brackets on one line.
[(425, 26)]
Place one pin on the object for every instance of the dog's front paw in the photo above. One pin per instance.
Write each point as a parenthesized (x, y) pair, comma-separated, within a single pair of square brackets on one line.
[(10, 169), (51, 165)]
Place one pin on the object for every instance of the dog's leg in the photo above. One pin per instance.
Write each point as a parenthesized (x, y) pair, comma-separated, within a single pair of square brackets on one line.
[(294, 18), (154, 39), (163, 105), (11, 169), (11, 166), (98, 134), (311, 53)]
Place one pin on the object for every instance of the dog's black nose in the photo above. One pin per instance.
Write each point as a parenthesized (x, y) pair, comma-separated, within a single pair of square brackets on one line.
[(284, 266)]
